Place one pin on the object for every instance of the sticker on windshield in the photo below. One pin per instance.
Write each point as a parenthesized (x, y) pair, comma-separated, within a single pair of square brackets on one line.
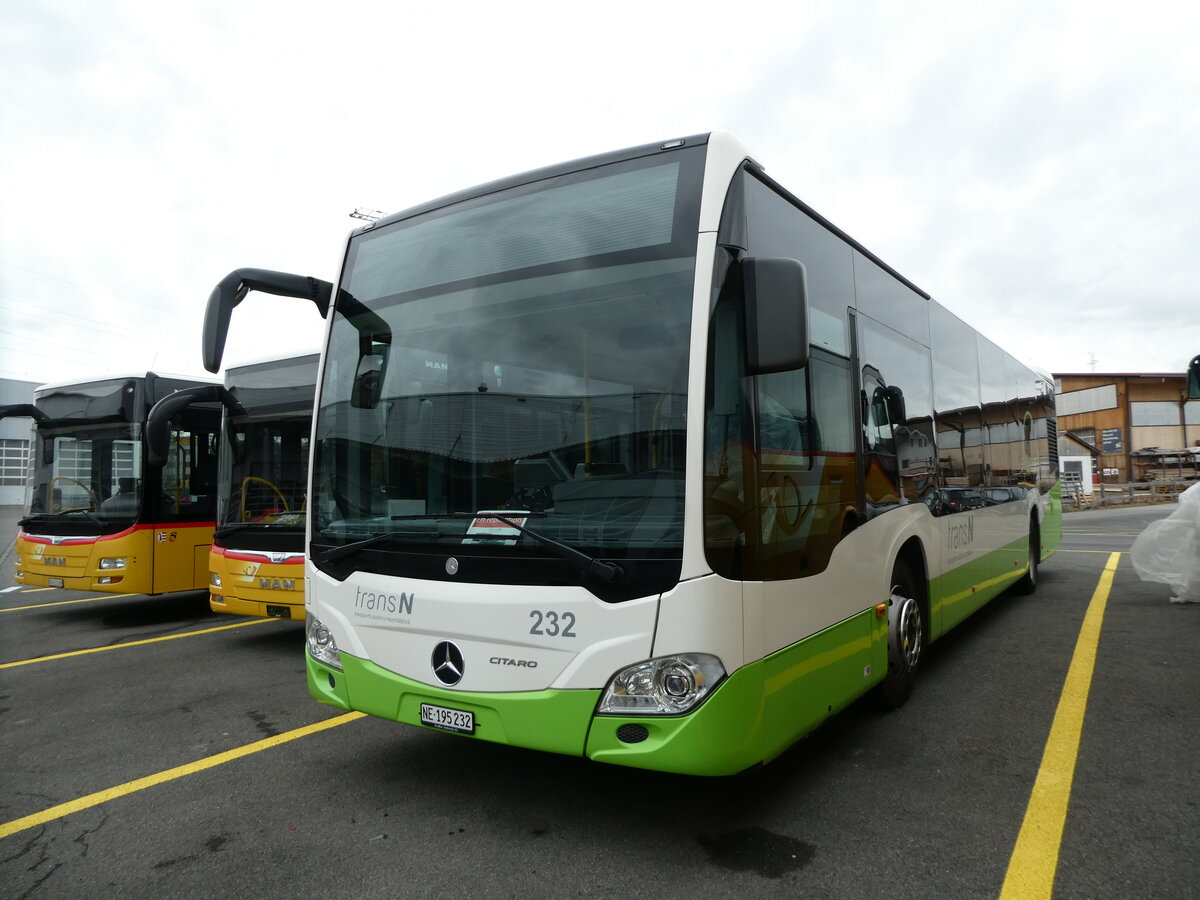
[(486, 528)]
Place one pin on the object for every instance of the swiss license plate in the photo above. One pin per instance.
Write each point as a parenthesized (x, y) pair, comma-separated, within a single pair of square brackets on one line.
[(449, 719), (54, 582)]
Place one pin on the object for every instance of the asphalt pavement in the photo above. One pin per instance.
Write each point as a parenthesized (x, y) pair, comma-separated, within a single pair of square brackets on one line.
[(152, 747)]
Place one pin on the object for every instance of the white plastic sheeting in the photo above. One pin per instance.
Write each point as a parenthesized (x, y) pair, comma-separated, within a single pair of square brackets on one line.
[(1168, 551)]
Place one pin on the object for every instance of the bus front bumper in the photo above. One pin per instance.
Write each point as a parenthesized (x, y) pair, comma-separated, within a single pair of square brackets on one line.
[(721, 737)]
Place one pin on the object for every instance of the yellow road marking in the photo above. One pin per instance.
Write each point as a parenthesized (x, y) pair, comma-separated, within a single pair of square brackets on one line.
[(140, 784), (169, 637), (55, 603), (1034, 860)]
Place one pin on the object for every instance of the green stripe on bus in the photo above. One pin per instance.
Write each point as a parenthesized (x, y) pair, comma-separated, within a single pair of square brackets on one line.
[(753, 716)]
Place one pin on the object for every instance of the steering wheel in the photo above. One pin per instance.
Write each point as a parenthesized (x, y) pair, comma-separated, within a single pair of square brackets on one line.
[(93, 502), (249, 478)]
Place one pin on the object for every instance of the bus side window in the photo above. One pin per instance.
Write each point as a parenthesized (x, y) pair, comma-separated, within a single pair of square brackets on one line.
[(805, 458)]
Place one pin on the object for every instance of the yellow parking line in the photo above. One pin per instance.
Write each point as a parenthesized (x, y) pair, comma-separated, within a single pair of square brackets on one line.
[(1034, 861), (169, 637), (140, 784), (55, 603)]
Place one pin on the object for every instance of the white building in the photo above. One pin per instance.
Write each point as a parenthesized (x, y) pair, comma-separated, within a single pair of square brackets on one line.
[(15, 438)]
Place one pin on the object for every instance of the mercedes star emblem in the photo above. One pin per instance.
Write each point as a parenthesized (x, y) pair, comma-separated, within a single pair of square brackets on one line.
[(447, 663)]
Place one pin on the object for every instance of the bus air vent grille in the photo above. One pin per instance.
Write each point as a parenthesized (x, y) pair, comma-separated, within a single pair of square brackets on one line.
[(632, 734)]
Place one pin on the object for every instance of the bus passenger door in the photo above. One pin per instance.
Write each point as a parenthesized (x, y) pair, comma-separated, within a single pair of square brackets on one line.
[(186, 506)]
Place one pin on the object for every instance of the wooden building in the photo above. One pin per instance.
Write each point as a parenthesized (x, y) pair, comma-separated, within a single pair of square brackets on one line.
[(1132, 427)]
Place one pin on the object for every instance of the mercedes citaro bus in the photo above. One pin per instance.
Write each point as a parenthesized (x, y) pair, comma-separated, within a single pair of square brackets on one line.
[(627, 458)]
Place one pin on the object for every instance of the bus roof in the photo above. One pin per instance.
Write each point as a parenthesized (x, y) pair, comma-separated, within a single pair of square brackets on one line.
[(119, 376)]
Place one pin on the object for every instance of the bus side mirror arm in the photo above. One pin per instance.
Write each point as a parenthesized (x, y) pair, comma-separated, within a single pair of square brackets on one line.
[(23, 410), (230, 291), (158, 422), (776, 295)]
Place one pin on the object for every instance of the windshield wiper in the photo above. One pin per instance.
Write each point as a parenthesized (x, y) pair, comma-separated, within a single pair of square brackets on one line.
[(602, 569), (226, 530), (597, 568), (326, 556), (51, 518)]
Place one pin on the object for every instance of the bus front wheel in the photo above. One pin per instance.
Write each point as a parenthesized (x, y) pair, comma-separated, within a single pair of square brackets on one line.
[(906, 638)]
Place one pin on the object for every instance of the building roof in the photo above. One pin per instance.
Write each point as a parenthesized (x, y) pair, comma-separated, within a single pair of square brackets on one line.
[(1120, 375)]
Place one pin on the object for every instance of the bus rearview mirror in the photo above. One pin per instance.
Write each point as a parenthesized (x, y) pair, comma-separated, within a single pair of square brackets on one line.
[(231, 290), (1193, 376), (776, 295), (158, 421), (897, 414), (368, 379)]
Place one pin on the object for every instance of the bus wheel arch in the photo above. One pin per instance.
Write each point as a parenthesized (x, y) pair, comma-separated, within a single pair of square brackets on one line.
[(908, 628)]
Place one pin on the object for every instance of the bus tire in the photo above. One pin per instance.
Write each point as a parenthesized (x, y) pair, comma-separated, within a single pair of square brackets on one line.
[(906, 637), (1028, 583)]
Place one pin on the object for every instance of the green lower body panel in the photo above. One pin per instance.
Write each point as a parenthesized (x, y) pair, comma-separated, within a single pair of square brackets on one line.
[(1051, 531), (964, 589), (556, 721), (760, 710), (750, 718)]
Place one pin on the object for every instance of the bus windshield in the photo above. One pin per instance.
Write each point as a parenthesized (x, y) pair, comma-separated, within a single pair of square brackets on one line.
[(89, 474), (263, 472), (87, 465), (525, 353)]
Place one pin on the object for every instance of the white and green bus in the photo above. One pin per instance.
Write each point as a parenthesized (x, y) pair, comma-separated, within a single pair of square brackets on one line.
[(639, 458)]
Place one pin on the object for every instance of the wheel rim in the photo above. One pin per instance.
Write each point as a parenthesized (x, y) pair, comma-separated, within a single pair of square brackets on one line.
[(1033, 561), (904, 644)]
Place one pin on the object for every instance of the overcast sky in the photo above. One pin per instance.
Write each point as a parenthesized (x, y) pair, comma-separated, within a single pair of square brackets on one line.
[(1034, 166)]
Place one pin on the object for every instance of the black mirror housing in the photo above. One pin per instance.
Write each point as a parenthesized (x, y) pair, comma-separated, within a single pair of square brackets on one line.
[(776, 295), (230, 291), (158, 422)]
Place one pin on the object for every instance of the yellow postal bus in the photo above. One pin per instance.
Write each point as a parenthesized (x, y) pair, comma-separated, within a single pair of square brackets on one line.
[(256, 564), (97, 518)]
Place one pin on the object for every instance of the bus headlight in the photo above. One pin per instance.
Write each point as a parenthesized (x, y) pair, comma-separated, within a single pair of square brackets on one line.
[(112, 562), (321, 645), (214, 579), (669, 685)]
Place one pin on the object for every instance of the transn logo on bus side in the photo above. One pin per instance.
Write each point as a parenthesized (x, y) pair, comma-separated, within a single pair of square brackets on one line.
[(961, 535)]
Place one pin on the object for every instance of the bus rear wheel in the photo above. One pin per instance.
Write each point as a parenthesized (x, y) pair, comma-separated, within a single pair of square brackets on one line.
[(906, 638), (1028, 582)]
